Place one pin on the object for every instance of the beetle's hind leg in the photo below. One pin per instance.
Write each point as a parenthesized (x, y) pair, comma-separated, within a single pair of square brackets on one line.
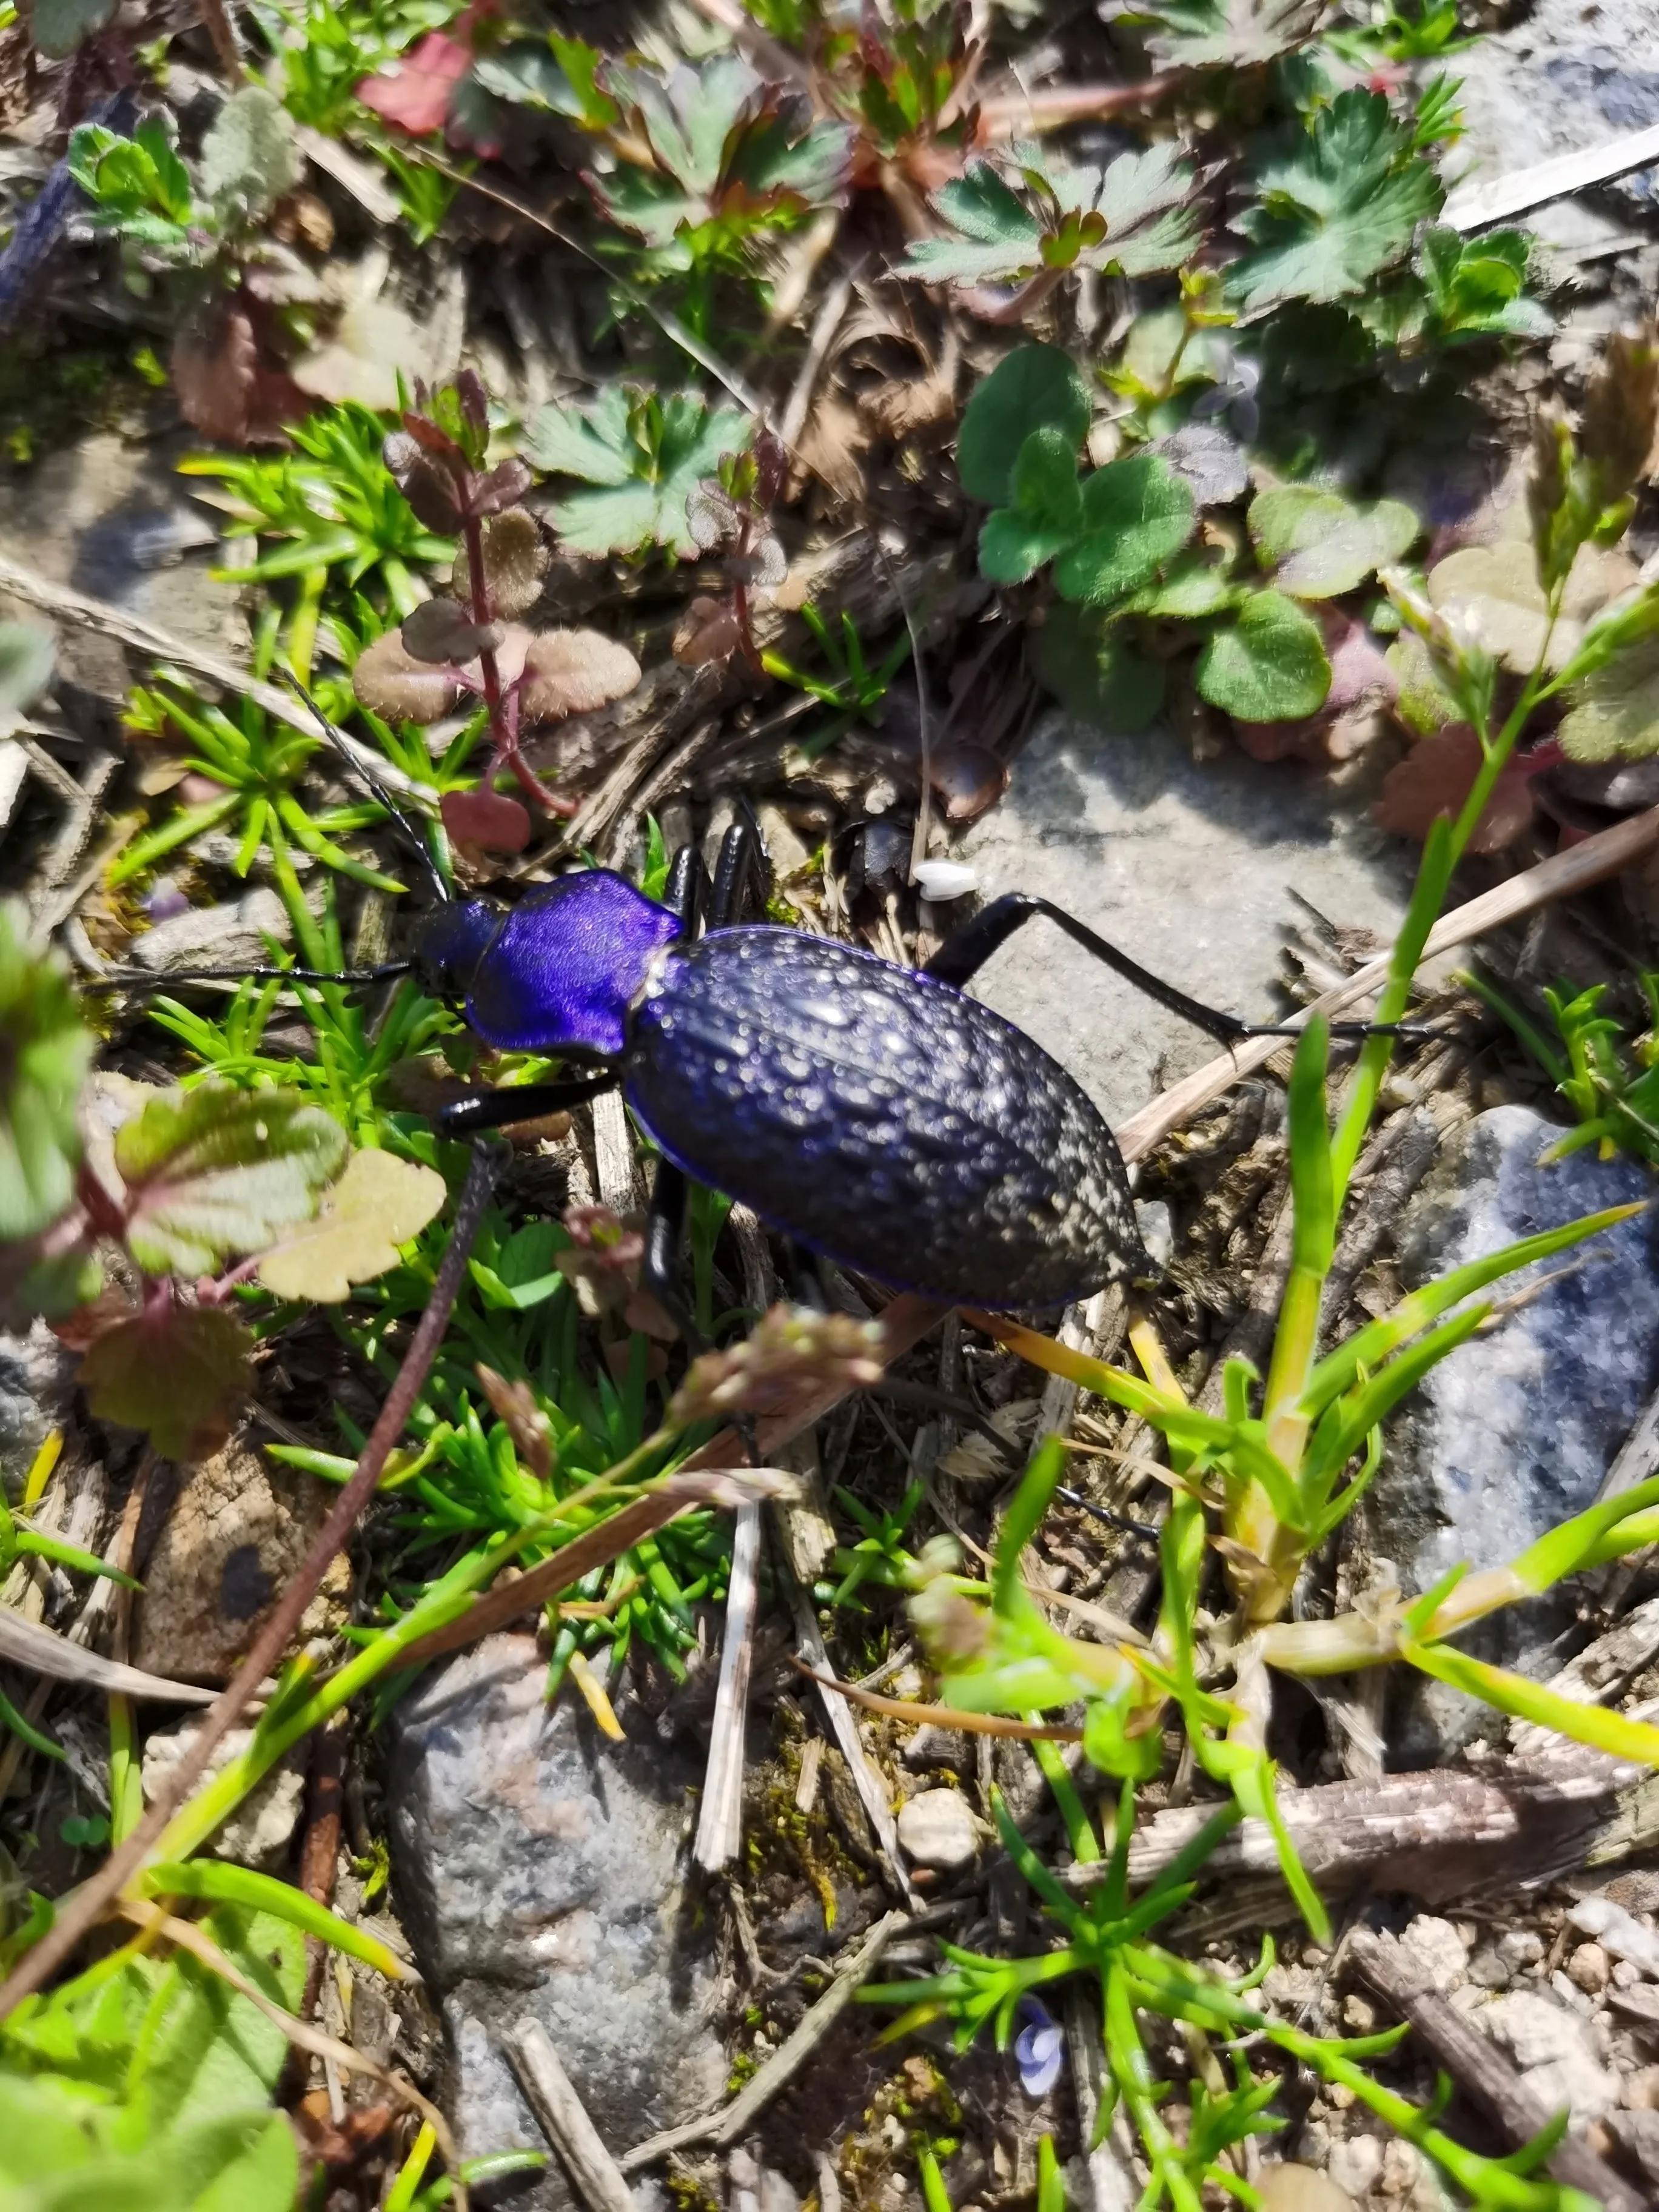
[(966, 951), (660, 1272)]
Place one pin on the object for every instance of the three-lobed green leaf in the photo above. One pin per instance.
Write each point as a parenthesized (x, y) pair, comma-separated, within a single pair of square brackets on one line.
[(1037, 387), (1318, 544), (1044, 514), (1268, 665), (1129, 219), (1137, 515), (218, 1171)]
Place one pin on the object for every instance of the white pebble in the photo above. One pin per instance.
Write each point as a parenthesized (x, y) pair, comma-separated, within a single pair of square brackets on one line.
[(941, 881), (937, 1830)]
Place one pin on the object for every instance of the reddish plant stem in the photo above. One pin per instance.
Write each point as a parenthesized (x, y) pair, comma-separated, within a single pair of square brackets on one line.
[(92, 1900), (503, 712)]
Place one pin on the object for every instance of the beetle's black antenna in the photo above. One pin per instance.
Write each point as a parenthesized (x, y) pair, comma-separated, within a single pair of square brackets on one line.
[(365, 775), (160, 978)]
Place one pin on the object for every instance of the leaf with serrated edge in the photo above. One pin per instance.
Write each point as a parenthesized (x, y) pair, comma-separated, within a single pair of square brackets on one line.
[(178, 1372), (1319, 544), (1341, 205), (378, 1203), (1268, 665), (1208, 33), (1139, 198), (217, 1170), (1045, 513)]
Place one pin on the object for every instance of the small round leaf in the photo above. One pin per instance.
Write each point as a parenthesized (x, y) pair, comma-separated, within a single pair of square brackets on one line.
[(1036, 388), (1268, 665)]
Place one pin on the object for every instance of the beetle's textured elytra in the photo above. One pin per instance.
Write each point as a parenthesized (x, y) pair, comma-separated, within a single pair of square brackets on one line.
[(882, 1119)]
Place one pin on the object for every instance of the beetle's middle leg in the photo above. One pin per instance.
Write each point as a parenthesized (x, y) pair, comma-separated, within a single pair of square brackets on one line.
[(966, 951)]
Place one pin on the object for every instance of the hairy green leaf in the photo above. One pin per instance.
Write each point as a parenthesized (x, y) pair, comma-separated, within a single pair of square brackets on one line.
[(1267, 665), (217, 1170), (1096, 671), (59, 25), (1342, 203), (1044, 514), (1614, 715), (1129, 219), (177, 1372), (47, 1050), (1037, 387), (1319, 544), (251, 158), (645, 455), (1477, 287), (1137, 514)]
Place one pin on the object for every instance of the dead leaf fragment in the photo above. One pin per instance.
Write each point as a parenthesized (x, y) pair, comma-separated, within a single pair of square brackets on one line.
[(378, 1203)]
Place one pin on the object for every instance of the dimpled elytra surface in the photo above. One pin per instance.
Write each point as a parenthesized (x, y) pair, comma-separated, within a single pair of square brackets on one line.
[(882, 1119), (565, 965)]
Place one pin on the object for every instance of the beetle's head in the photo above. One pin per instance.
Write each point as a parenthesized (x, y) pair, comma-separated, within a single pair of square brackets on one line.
[(450, 945)]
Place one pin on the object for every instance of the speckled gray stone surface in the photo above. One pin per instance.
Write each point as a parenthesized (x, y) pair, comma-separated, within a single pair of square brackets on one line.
[(1562, 78), (1191, 868), (1514, 1431), (541, 1870)]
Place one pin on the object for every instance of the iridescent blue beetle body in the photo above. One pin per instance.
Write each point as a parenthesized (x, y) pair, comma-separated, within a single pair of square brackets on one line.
[(876, 1116)]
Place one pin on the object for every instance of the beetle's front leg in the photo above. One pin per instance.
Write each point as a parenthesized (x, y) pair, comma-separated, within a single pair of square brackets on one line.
[(499, 1108)]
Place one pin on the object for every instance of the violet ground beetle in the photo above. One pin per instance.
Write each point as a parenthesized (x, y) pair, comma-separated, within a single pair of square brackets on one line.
[(876, 1115)]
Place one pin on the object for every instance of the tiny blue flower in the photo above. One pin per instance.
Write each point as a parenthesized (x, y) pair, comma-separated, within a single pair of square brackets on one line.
[(1039, 2048)]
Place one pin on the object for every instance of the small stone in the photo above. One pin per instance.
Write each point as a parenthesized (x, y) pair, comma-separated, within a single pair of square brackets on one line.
[(1642, 2090), (1488, 1968), (1401, 2166), (541, 1872), (258, 1832), (1588, 1966), (37, 1380), (1520, 1947), (938, 1747), (1301, 2189), (236, 1534), (936, 1829), (228, 937), (1356, 2163), (1512, 1434), (1620, 1933), (1636, 2135), (1359, 2014), (1555, 2052), (1438, 1951), (1623, 1975)]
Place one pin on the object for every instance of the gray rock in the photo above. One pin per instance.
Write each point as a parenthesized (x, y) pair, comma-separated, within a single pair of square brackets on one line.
[(541, 1871), (937, 1830), (1636, 2135), (36, 1376), (226, 937), (1555, 2050), (1514, 1432), (1189, 867), (1562, 78)]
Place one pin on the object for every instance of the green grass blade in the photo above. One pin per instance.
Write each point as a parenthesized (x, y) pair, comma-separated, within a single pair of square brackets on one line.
[(263, 1892), (1612, 1733)]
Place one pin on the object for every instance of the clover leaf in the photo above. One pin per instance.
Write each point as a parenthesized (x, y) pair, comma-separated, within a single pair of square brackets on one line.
[(178, 1372), (44, 1052), (218, 1171), (1037, 387), (1339, 204), (1137, 514), (645, 454), (1093, 669), (378, 1203), (1614, 715), (1128, 218), (1045, 513), (1319, 544), (1268, 665)]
